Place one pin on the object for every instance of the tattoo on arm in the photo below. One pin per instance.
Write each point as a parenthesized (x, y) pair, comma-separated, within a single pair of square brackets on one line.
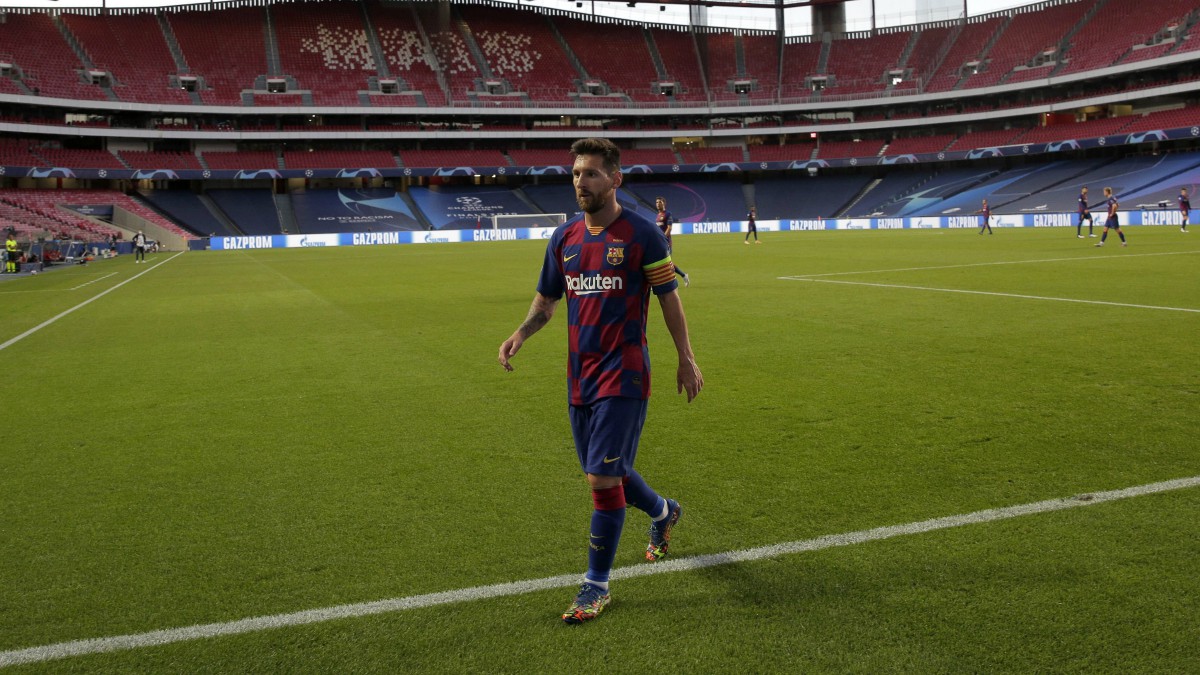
[(540, 313)]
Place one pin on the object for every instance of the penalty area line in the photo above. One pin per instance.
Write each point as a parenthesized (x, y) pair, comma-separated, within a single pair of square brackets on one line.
[(64, 650), (992, 293), (52, 320)]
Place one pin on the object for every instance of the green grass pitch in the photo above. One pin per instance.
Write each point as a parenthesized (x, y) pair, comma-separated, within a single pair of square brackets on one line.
[(245, 434)]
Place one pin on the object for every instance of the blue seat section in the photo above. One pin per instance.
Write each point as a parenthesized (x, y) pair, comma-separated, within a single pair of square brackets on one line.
[(806, 197), (553, 198), (1180, 170), (929, 198), (252, 211), (353, 210), (185, 208), (968, 199), (453, 207), (560, 198), (1057, 197), (896, 184), (696, 201)]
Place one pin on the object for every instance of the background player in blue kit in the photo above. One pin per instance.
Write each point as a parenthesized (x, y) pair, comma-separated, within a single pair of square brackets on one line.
[(664, 222), (987, 218), (1185, 206), (606, 262), (1085, 213), (1112, 221)]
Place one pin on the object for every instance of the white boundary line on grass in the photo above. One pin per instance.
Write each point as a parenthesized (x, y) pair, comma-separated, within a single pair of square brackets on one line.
[(1002, 295), (804, 277), (90, 300), (64, 650)]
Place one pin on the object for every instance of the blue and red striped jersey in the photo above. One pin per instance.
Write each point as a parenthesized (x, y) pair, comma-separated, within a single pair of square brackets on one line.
[(607, 277), (1185, 204), (664, 222)]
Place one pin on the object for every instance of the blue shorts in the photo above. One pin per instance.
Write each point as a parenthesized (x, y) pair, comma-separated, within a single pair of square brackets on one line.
[(607, 434)]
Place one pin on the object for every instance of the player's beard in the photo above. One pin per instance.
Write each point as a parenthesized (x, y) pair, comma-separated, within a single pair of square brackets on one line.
[(592, 202)]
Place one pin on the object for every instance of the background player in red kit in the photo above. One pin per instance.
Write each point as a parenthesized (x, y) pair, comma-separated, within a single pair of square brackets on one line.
[(607, 261)]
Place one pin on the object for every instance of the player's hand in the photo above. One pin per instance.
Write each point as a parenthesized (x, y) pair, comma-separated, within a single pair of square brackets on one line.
[(509, 349), (689, 379)]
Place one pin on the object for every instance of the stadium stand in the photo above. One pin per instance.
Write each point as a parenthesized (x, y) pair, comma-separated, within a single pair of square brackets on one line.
[(50, 67), (133, 50), (835, 149), (802, 58), (713, 155), (969, 47), (761, 56), (1064, 132), (454, 59), (406, 54), (782, 153), (632, 74), (648, 156), (986, 139), (821, 197), (452, 158), (892, 186), (695, 200), (187, 209), (919, 144), (337, 159), (1115, 28), (225, 48), (557, 157), (78, 159), (1164, 119), (250, 210), (327, 52), (679, 55), (1027, 37), (859, 64), (141, 159), (523, 51), (242, 160)]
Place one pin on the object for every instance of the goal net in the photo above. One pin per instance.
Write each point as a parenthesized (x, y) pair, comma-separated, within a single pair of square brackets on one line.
[(528, 220)]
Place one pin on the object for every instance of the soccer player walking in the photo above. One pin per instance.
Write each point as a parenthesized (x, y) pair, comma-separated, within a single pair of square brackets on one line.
[(607, 261), (1085, 213), (1185, 207), (751, 226), (986, 223), (664, 222), (1112, 221)]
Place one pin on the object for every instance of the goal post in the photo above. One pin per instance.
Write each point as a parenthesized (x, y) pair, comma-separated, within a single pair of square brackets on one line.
[(515, 220)]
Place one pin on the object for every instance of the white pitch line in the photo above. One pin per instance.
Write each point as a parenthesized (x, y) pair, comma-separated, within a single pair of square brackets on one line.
[(89, 283), (1002, 295), (92, 299), (801, 277), (64, 650)]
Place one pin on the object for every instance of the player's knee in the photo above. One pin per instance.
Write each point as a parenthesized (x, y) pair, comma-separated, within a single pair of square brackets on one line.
[(609, 498)]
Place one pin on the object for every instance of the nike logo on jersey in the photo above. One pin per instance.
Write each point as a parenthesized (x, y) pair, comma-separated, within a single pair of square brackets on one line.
[(568, 258)]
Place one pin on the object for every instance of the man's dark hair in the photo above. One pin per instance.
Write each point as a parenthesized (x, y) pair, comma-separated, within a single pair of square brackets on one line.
[(599, 146)]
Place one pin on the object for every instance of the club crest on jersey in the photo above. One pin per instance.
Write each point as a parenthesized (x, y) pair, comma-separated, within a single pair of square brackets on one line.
[(616, 255)]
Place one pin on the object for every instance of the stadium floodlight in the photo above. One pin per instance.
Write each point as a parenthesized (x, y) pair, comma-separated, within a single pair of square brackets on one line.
[(508, 220)]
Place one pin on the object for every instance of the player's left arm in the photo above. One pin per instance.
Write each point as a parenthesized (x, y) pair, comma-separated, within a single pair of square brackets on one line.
[(688, 377)]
